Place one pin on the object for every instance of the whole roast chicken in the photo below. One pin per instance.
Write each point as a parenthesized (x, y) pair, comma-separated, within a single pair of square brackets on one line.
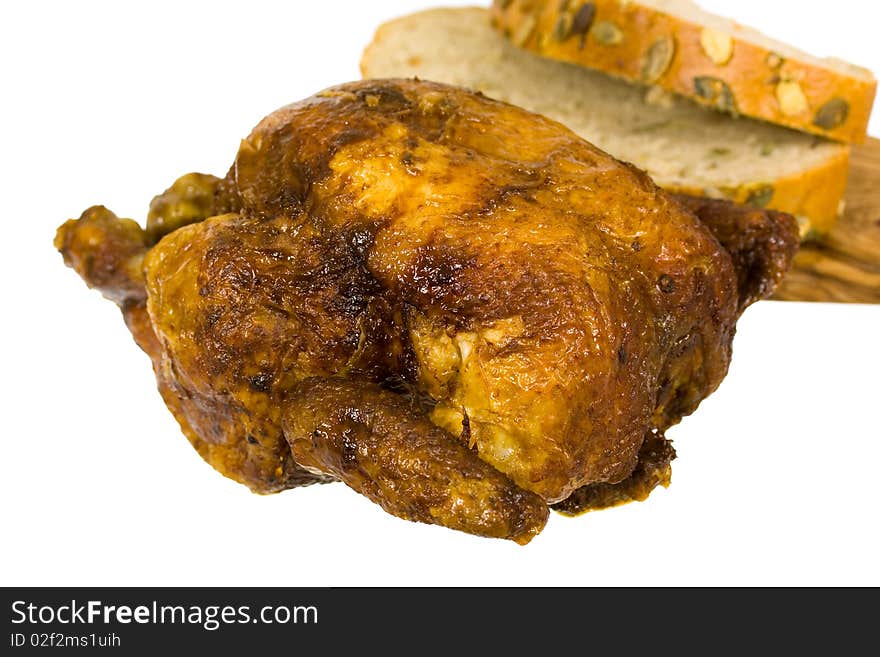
[(456, 307)]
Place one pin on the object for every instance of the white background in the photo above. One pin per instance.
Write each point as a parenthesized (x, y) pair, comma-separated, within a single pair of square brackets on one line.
[(776, 480)]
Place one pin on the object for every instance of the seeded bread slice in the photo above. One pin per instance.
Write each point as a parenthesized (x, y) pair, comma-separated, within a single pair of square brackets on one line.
[(681, 48), (682, 146)]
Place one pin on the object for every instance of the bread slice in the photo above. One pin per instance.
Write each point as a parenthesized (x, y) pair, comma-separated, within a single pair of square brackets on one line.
[(676, 45), (681, 145)]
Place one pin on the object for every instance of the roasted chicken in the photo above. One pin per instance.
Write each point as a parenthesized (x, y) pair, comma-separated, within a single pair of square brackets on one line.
[(458, 308)]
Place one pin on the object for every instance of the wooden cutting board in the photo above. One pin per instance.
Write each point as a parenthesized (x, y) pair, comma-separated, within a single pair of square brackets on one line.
[(846, 266)]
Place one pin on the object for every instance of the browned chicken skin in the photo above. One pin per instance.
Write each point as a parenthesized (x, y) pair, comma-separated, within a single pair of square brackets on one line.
[(458, 308)]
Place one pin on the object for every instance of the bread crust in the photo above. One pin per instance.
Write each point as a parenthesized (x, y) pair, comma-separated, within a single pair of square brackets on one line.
[(712, 67), (814, 197)]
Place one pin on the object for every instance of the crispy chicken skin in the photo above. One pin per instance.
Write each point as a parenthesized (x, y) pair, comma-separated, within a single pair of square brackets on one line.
[(458, 308)]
